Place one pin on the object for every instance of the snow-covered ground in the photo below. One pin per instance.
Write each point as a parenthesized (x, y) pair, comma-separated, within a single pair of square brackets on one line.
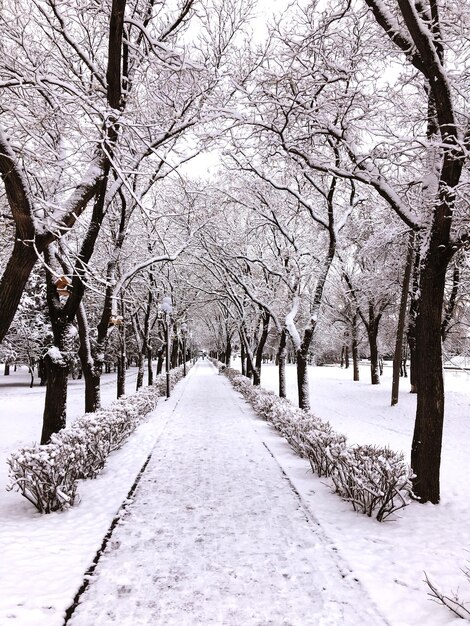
[(44, 557)]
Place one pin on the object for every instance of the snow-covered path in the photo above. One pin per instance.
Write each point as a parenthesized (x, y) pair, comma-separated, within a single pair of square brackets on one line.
[(217, 534)]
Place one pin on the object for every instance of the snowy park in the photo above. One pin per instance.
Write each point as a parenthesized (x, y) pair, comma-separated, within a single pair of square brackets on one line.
[(234, 312), (227, 524)]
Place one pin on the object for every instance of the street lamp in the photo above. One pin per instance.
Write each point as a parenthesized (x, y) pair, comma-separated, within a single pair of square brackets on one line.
[(167, 308), (184, 331)]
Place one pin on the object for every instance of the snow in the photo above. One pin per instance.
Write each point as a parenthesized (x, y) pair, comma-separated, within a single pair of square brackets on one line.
[(228, 525)]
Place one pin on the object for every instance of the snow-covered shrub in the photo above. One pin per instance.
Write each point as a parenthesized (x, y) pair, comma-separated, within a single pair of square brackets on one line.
[(372, 479), (47, 475), (322, 446), (375, 480)]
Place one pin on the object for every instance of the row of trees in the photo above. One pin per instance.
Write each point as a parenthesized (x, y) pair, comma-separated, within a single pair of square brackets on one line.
[(344, 140)]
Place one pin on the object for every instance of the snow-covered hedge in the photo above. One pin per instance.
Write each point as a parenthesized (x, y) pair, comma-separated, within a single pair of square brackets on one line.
[(376, 481), (47, 475)]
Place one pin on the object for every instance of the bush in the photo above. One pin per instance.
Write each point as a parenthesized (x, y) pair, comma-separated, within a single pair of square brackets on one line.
[(375, 480), (44, 475), (372, 479), (47, 475)]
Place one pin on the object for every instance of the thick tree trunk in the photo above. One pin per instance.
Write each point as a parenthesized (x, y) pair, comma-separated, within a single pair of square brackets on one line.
[(427, 436), (397, 357), (56, 396), (282, 356), (6, 371), (17, 271)]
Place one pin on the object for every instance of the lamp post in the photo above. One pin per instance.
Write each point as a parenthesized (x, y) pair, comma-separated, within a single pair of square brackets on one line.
[(167, 308), (184, 331)]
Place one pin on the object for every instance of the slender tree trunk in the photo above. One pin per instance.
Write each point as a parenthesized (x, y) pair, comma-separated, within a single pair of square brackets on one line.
[(372, 333), (228, 351), (354, 348), (122, 359), (411, 333), (282, 356), (174, 351), (242, 357), (91, 365), (249, 367), (160, 360), (259, 350), (140, 371), (346, 357), (6, 371), (397, 357), (149, 366)]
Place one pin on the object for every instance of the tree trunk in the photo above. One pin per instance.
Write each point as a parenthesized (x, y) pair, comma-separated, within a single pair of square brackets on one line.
[(6, 371), (91, 363), (92, 378), (397, 357), (260, 349), (149, 366), (228, 351), (282, 356), (140, 371), (372, 333), (302, 381), (56, 396), (427, 436), (354, 348), (242, 357), (160, 360), (346, 357), (122, 358), (411, 332), (174, 350), (17, 271)]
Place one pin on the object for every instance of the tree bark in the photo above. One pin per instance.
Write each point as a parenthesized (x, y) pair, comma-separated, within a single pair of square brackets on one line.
[(140, 371), (354, 348), (411, 332), (149, 366), (372, 333), (397, 357), (259, 350), (302, 381), (282, 356), (427, 436), (56, 397), (242, 357)]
